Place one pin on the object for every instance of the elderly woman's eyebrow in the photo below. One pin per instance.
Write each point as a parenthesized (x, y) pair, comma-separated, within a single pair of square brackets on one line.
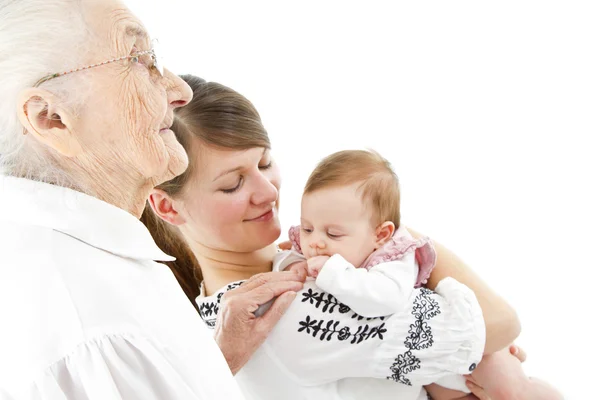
[(136, 31)]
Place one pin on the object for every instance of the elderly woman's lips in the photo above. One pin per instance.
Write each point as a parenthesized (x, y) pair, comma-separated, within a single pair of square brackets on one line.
[(165, 130), (263, 218)]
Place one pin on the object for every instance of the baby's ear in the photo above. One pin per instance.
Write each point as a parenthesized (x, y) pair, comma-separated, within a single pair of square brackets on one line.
[(383, 233)]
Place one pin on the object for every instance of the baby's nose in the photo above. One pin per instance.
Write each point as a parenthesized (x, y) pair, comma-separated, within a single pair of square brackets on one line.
[(318, 244)]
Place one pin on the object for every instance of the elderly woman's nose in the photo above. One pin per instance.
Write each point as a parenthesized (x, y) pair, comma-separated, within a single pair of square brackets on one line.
[(179, 92)]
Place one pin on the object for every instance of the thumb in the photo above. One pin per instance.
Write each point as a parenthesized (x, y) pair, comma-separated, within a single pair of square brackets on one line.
[(279, 307), (287, 245), (300, 269), (518, 352), (478, 391)]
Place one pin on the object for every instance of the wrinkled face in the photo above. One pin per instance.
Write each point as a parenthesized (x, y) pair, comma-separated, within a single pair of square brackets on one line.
[(231, 201), (335, 221), (124, 121)]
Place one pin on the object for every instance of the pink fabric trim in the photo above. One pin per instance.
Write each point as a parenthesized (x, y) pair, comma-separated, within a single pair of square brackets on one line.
[(294, 234), (400, 244), (394, 249)]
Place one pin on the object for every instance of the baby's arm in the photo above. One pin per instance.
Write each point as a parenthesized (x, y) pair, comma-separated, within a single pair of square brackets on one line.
[(382, 290)]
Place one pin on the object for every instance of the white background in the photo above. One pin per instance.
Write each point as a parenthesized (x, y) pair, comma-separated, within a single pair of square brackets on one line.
[(490, 113)]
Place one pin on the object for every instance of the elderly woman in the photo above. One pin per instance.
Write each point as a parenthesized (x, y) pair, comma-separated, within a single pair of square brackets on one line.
[(221, 223), (86, 313)]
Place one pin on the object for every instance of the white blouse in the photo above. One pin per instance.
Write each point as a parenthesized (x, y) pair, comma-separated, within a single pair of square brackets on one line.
[(85, 311), (321, 349)]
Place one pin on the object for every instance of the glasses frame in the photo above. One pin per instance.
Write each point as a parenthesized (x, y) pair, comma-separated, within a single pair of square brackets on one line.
[(135, 57)]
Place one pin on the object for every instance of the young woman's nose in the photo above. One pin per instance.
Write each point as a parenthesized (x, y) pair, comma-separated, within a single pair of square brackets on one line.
[(265, 192)]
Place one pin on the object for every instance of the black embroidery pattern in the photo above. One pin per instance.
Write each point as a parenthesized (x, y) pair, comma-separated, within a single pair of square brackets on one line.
[(419, 337), (208, 312), (330, 303), (327, 330), (210, 309)]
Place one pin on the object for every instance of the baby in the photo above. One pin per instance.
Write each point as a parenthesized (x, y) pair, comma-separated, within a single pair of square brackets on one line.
[(351, 241)]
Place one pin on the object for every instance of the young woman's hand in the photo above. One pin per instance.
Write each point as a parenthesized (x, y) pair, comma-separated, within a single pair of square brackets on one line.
[(518, 352), (287, 245), (477, 392)]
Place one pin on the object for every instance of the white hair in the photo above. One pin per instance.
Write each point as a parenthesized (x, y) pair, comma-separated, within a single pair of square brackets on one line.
[(37, 38)]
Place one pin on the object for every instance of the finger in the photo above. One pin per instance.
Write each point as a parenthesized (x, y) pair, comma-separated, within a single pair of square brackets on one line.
[(301, 271), (518, 352), (274, 314), (266, 292), (267, 277), (312, 271), (478, 391), (287, 245), (471, 378)]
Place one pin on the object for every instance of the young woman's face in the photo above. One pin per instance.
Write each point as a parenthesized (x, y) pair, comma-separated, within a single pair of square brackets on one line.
[(231, 201)]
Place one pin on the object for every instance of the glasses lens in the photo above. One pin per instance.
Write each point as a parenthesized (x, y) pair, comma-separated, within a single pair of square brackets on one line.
[(157, 56)]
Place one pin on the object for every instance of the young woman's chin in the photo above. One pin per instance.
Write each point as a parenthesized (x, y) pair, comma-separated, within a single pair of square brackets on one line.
[(271, 234), (265, 234)]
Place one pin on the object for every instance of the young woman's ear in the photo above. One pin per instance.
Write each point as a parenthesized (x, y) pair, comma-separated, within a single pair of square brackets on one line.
[(383, 233), (47, 121), (164, 206)]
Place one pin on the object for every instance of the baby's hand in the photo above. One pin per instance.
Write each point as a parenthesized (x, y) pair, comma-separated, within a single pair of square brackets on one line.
[(299, 267), (315, 265)]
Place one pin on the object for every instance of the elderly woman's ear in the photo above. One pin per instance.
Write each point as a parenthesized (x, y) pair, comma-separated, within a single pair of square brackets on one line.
[(47, 121)]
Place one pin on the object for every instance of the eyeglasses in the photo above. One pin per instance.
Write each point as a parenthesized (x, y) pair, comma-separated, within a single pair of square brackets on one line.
[(153, 63)]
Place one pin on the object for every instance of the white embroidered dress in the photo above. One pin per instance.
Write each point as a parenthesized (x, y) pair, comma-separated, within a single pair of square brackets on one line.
[(321, 349)]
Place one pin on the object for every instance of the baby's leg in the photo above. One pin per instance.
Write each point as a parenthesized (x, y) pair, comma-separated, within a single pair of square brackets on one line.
[(437, 392), (502, 377), (539, 389)]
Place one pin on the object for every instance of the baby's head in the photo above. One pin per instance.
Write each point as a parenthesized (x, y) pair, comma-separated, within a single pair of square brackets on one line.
[(350, 206)]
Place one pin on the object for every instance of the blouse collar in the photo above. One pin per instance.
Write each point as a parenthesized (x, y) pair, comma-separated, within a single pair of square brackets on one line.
[(76, 214)]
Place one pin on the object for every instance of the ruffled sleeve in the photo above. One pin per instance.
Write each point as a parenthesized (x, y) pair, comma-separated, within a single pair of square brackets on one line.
[(113, 367)]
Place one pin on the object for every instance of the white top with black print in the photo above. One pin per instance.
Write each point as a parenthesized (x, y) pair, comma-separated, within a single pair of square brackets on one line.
[(321, 349)]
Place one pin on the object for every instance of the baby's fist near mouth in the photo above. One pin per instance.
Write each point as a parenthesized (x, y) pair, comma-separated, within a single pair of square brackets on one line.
[(315, 265), (300, 268)]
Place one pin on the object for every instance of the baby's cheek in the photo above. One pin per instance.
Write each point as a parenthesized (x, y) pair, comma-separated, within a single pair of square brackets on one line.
[(303, 245), (357, 254)]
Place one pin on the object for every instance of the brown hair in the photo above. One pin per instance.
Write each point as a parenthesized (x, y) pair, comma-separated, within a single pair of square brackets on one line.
[(379, 183), (217, 116)]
